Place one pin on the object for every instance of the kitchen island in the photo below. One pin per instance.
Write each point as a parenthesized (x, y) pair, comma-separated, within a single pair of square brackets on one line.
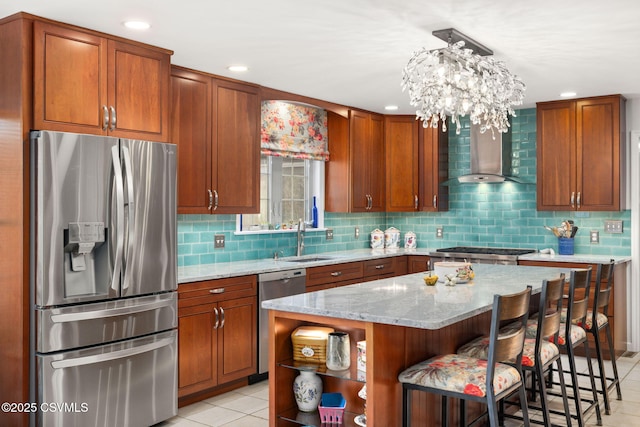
[(403, 322)]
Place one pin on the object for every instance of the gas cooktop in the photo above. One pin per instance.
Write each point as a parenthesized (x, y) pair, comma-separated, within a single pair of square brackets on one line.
[(487, 251)]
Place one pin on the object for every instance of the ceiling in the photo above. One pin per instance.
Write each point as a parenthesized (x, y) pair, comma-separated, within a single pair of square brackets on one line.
[(352, 52)]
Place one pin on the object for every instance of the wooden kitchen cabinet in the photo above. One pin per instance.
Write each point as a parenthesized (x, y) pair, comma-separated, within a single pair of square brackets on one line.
[(216, 126), (355, 177), (433, 168), (87, 83), (382, 268), (217, 333), (417, 263), (348, 273), (416, 165), (334, 275), (579, 146), (402, 162), (366, 137)]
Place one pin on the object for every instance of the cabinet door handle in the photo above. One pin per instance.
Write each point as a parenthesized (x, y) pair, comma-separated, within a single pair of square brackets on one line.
[(336, 273), (573, 199), (415, 201), (223, 319), (578, 200), (216, 291), (210, 200), (105, 117), (379, 266), (435, 200), (215, 326), (215, 200), (113, 118)]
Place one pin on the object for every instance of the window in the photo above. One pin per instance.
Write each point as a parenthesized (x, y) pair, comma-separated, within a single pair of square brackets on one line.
[(287, 189)]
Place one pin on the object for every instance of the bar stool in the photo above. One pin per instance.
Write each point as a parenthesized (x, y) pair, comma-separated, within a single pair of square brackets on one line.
[(539, 353), (570, 337), (468, 378), (599, 317)]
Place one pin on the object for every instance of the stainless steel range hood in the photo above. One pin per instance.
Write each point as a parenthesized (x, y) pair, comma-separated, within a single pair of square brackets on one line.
[(490, 159)]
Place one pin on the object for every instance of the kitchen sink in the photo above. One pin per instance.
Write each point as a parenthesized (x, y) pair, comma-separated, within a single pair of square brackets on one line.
[(308, 259)]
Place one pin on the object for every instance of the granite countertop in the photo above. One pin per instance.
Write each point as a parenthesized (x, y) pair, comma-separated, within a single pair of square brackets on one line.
[(240, 268), (407, 301)]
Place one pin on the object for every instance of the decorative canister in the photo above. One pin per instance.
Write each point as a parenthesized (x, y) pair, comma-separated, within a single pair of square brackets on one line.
[(338, 351), (392, 238), (307, 388), (410, 240), (377, 239)]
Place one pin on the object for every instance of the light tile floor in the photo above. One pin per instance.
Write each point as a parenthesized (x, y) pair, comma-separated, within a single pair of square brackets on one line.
[(249, 406)]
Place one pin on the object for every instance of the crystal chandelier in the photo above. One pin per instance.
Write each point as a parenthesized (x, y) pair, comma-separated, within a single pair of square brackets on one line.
[(457, 80)]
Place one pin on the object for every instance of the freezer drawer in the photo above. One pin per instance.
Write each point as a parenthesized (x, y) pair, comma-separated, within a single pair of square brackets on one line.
[(130, 383), (91, 324)]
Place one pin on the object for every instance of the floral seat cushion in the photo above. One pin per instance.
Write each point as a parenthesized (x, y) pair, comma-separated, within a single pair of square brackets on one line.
[(577, 333), (601, 319), (479, 348), (460, 374)]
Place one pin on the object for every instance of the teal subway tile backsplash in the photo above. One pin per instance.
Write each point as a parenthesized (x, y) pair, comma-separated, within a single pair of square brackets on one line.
[(496, 215)]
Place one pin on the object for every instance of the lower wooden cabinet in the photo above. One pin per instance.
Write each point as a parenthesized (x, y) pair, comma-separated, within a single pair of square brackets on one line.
[(217, 333), (348, 273), (382, 268), (417, 263)]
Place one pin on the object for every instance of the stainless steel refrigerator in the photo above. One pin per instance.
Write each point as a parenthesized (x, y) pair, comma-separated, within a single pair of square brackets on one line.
[(103, 280)]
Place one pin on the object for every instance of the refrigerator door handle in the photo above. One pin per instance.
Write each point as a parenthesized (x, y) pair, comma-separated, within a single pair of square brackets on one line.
[(129, 205), (112, 312), (119, 208), (120, 354)]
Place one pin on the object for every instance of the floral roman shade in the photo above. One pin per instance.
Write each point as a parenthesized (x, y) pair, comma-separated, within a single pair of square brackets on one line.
[(294, 130)]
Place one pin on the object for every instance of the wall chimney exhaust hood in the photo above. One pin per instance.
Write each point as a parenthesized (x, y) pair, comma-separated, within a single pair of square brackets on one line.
[(490, 159)]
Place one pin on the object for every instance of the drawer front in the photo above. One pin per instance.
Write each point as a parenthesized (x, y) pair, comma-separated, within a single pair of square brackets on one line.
[(334, 273), (211, 291), (380, 267)]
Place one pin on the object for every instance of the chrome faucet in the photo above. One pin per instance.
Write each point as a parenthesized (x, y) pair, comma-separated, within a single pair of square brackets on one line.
[(300, 246)]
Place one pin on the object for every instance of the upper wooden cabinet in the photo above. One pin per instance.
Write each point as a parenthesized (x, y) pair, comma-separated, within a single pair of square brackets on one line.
[(416, 164), (215, 124), (366, 136), (355, 173), (401, 148), (87, 83), (433, 149), (579, 146)]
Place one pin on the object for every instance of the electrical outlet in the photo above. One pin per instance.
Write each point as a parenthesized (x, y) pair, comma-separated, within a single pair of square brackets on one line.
[(218, 241), (439, 233), (594, 236), (357, 235), (329, 234), (613, 226)]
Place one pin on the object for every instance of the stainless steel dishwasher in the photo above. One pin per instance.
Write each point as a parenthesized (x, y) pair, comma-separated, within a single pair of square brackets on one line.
[(274, 285)]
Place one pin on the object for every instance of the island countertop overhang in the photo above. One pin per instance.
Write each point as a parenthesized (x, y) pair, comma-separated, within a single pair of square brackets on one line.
[(407, 301)]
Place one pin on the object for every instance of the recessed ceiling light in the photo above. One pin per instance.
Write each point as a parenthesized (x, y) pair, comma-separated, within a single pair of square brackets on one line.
[(237, 68), (391, 107), (137, 25), (567, 94)]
